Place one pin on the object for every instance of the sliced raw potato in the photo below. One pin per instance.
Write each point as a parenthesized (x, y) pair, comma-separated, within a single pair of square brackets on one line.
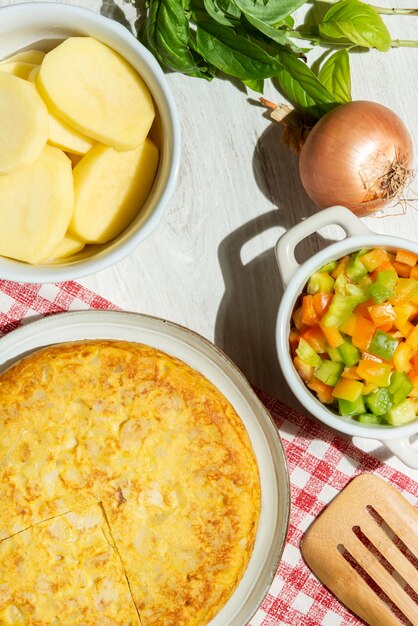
[(36, 205), (97, 92), (18, 68), (27, 56), (110, 188), (68, 246), (61, 134), (24, 127)]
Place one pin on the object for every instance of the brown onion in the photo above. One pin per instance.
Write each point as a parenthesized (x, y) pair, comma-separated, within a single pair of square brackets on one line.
[(358, 155)]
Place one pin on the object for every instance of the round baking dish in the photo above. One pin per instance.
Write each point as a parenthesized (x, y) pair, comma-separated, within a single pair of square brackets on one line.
[(295, 277), (212, 363)]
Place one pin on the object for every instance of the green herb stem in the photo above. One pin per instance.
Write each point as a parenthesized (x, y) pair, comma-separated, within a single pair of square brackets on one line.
[(383, 10), (316, 39)]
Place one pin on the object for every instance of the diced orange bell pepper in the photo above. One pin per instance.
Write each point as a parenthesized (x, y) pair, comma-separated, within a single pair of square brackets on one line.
[(382, 314), (304, 370), (402, 269), (387, 265), (375, 373), (351, 373), (406, 329), (297, 319), (415, 362), (363, 333), (294, 337), (321, 302), (347, 389), (374, 258), (404, 313), (402, 356), (414, 392), (369, 388), (362, 309), (309, 316), (414, 272), (404, 256), (332, 336), (341, 267), (323, 391), (348, 326), (412, 339), (316, 339)]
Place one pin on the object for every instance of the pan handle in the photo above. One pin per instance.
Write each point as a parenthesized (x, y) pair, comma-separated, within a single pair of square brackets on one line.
[(285, 247)]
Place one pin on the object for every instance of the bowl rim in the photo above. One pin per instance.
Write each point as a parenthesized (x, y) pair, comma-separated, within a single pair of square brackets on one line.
[(292, 291), (58, 14)]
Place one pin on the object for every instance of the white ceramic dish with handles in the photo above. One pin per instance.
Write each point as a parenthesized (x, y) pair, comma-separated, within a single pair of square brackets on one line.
[(43, 25), (295, 277)]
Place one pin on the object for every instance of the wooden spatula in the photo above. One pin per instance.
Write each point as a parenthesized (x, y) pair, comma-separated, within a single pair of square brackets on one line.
[(365, 543)]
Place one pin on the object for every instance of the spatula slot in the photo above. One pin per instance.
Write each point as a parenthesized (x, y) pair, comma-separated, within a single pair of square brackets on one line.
[(385, 563), (372, 585), (412, 558)]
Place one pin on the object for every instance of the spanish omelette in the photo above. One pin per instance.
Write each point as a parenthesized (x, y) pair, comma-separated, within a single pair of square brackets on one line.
[(152, 443)]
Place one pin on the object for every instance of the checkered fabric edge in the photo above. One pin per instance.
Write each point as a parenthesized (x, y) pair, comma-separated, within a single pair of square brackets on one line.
[(320, 465)]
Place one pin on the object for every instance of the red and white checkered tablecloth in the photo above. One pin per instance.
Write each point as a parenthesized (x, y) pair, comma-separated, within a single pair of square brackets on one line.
[(320, 465)]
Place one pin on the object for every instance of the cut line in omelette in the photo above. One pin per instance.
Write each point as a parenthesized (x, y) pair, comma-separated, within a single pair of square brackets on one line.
[(64, 571)]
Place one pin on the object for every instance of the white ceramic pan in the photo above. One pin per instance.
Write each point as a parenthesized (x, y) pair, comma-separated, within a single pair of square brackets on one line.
[(212, 363)]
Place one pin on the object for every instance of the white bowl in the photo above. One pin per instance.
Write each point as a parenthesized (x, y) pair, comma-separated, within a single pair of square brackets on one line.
[(295, 277), (43, 25)]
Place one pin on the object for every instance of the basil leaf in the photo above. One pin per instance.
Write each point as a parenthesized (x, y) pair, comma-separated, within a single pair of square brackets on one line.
[(279, 36), (255, 85), (302, 88), (358, 22), (167, 35), (229, 16), (269, 11), (335, 75), (234, 54)]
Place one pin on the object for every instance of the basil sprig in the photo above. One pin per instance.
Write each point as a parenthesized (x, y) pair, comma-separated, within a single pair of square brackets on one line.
[(253, 40)]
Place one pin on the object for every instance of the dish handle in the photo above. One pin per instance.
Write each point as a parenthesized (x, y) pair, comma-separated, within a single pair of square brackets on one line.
[(336, 215), (404, 450)]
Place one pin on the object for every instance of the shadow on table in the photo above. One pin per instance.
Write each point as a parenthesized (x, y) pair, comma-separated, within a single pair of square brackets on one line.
[(246, 319)]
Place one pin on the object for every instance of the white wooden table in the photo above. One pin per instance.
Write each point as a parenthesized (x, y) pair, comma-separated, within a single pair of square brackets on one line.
[(210, 264)]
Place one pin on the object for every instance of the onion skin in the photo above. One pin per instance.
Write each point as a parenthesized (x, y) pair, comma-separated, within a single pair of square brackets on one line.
[(352, 153)]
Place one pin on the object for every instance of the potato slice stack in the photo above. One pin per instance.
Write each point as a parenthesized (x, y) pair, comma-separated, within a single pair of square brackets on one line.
[(76, 162)]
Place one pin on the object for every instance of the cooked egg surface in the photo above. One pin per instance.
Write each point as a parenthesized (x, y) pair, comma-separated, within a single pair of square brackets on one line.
[(64, 571), (161, 450)]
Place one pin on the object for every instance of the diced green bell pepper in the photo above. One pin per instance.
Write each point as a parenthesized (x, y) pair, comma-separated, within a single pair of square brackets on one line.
[(329, 372), (320, 282), (384, 287), (380, 401), (352, 408), (329, 267), (400, 386), (369, 418), (401, 413), (383, 345), (349, 353), (307, 353), (344, 287), (356, 269), (334, 354), (340, 309)]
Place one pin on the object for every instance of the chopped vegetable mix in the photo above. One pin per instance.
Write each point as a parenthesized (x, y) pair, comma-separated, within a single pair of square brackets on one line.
[(354, 336)]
